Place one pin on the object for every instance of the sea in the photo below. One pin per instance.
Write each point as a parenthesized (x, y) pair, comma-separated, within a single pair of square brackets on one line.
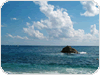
[(28, 59)]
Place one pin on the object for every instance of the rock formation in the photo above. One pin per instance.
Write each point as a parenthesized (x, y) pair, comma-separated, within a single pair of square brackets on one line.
[(69, 49)]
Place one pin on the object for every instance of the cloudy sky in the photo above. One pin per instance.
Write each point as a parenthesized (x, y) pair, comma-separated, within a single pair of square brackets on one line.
[(50, 23)]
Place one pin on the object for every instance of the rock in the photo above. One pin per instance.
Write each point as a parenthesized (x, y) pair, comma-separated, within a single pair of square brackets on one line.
[(97, 59), (69, 49)]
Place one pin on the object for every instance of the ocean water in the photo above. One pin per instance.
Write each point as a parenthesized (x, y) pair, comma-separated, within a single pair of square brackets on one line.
[(25, 59)]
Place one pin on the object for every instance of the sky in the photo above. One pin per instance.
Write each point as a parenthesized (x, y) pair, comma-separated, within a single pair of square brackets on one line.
[(62, 23)]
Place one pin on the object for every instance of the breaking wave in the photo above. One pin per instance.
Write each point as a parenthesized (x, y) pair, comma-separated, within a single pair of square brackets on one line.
[(82, 52)]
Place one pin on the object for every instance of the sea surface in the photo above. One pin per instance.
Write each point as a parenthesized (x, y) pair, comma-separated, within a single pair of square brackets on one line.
[(25, 59)]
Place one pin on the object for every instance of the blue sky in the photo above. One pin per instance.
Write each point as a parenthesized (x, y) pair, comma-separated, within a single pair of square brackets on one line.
[(50, 23)]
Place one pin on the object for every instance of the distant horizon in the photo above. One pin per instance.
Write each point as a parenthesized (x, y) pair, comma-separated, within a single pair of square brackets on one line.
[(51, 45)]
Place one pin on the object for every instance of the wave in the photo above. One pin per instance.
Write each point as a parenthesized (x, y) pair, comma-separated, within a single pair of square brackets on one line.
[(41, 72), (80, 71), (9, 72), (82, 52), (64, 70), (65, 54)]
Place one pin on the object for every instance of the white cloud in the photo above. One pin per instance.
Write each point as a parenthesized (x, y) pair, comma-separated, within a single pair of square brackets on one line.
[(17, 36), (58, 25), (3, 26), (10, 35), (34, 33), (14, 19), (80, 35), (90, 7), (39, 25), (94, 31), (29, 17), (21, 37), (27, 23)]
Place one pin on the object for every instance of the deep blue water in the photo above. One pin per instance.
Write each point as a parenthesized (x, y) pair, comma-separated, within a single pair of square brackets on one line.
[(49, 59)]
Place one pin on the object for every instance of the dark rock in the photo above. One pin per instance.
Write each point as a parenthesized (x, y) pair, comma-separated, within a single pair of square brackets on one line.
[(69, 49), (97, 59)]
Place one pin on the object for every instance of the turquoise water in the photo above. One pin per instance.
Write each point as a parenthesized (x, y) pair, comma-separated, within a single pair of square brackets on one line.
[(48, 59)]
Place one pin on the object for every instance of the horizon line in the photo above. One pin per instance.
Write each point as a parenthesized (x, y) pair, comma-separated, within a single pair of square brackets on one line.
[(53, 45)]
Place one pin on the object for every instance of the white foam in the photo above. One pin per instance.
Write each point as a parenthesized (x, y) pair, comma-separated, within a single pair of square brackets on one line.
[(45, 72), (10, 72), (50, 72), (67, 71), (79, 71), (82, 52)]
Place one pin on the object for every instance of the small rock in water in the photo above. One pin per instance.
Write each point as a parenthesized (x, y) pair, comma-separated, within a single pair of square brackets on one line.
[(69, 49), (97, 59)]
